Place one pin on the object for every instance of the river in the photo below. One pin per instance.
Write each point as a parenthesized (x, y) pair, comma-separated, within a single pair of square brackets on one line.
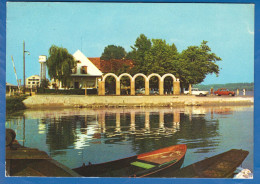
[(75, 136)]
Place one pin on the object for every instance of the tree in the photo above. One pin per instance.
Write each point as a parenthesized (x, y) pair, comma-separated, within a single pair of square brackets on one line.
[(44, 83), (191, 65), (154, 56), (139, 50), (60, 64), (113, 52), (195, 63), (161, 57)]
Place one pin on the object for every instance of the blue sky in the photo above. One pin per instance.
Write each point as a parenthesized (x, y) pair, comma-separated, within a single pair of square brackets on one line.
[(228, 28)]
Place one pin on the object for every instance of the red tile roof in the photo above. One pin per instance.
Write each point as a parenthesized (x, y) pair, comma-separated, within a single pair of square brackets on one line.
[(95, 61), (110, 65)]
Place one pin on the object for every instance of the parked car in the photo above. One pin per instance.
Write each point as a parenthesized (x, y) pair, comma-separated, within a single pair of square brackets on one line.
[(154, 92), (196, 91), (142, 91), (224, 91)]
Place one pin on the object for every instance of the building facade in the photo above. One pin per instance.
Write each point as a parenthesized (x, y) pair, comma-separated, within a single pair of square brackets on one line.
[(32, 81), (85, 75)]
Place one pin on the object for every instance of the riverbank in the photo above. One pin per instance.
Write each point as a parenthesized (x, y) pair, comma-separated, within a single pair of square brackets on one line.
[(47, 101), (14, 104)]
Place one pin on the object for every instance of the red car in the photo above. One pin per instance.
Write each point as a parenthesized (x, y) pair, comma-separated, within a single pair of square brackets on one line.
[(224, 91)]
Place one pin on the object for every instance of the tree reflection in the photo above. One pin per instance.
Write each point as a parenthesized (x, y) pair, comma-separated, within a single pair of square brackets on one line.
[(61, 133)]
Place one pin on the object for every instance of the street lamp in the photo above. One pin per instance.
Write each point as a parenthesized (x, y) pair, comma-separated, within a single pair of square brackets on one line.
[(24, 51)]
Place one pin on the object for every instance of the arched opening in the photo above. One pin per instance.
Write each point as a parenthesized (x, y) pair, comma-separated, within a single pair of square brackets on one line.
[(139, 85), (168, 85), (125, 87), (154, 85), (110, 85)]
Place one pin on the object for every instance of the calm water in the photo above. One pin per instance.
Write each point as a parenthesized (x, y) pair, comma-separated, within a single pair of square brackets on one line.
[(76, 136)]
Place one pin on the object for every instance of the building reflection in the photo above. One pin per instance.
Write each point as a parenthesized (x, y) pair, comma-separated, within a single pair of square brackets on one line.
[(134, 124), (145, 129)]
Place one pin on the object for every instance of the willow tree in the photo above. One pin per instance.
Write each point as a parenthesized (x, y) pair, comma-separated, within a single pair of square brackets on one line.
[(60, 64)]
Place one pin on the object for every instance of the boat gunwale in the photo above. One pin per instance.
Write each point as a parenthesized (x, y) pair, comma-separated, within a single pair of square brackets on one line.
[(160, 166), (133, 156)]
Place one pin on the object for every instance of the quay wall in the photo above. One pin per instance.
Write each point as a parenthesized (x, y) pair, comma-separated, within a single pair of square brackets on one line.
[(47, 101)]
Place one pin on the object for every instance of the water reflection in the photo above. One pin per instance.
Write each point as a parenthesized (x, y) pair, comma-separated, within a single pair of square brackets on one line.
[(107, 134)]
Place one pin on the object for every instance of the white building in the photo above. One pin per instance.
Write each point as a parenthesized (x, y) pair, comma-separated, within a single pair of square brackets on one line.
[(32, 81), (85, 75)]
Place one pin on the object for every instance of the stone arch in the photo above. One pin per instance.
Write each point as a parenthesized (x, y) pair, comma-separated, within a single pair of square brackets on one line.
[(176, 83), (169, 75), (140, 74), (146, 81), (154, 74), (160, 81), (125, 74), (117, 83), (130, 77), (110, 74)]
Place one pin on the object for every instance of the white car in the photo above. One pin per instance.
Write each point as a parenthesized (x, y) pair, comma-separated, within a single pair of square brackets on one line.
[(196, 91)]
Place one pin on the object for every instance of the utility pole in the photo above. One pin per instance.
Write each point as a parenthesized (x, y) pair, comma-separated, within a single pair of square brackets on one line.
[(23, 67), (24, 51)]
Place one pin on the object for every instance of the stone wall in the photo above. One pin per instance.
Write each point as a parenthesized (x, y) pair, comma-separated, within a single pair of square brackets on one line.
[(96, 101)]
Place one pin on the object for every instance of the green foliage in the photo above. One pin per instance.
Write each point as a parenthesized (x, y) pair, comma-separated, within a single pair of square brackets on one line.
[(160, 58), (153, 56), (113, 52), (44, 83), (60, 64), (196, 62), (156, 56), (138, 53), (230, 86), (14, 103), (67, 92)]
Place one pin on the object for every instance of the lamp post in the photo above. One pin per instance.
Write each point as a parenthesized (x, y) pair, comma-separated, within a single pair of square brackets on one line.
[(24, 51)]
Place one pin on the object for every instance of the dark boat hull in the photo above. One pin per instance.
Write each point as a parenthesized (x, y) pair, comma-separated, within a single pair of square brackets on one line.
[(23, 161), (39, 168), (153, 161), (219, 166)]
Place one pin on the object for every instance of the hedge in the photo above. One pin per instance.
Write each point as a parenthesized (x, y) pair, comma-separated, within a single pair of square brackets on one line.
[(67, 92)]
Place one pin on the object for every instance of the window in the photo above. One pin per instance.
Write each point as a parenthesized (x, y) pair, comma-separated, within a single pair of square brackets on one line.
[(83, 70), (29, 82), (33, 82)]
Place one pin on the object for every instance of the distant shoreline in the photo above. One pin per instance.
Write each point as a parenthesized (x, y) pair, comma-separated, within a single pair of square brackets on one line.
[(80, 101)]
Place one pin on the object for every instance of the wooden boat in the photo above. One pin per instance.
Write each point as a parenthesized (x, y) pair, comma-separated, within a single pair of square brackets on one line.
[(23, 161), (219, 166), (151, 164)]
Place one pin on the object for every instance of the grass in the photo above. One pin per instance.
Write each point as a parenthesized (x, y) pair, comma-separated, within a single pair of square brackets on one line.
[(14, 104)]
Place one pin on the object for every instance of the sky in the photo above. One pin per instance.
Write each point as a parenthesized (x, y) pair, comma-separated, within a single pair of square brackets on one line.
[(90, 27)]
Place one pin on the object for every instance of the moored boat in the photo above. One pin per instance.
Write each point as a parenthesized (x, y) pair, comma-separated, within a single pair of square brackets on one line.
[(219, 166), (151, 164), (24, 161)]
